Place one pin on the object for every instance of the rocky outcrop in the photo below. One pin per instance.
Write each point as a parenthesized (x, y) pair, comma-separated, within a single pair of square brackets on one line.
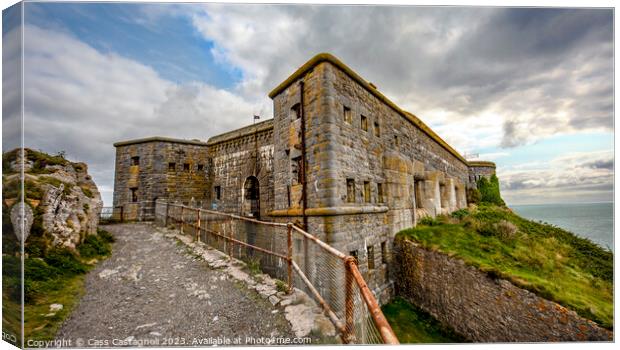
[(64, 198)]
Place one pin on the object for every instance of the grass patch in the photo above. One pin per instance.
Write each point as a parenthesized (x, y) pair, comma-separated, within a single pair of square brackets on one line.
[(549, 261), (413, 325), (57, 277)]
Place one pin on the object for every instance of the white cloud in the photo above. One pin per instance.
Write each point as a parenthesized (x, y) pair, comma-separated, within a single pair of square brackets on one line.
[(574, 177), (482, 76), (81, 100)]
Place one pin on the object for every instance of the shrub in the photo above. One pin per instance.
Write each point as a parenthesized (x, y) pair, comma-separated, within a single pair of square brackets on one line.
[(460, 214), (281, 286), (38, 270), (429, 221), (489, 190), (93, 246), (65, 262), (473, 195), (505, 230), (254, 266), (105, 236)]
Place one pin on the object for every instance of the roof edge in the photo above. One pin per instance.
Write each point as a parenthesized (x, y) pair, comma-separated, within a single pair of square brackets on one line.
[(241, 132), (158, 139), (327, 57), (481, 163)]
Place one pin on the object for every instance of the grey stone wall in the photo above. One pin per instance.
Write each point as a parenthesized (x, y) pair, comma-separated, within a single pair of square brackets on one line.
[(480, 169), (153, 178), (235, 158), (481, 308)]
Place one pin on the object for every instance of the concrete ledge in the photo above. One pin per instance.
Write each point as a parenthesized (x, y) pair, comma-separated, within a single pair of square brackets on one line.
[(330, 211)]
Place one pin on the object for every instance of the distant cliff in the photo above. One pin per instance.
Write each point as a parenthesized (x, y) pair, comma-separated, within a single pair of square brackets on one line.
[(63, 202)]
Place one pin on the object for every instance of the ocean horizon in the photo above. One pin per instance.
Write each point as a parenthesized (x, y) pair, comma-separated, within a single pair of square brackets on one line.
[(594, 221)]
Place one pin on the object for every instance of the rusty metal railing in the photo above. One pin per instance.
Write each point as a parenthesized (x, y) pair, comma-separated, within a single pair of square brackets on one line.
[(281, 249)]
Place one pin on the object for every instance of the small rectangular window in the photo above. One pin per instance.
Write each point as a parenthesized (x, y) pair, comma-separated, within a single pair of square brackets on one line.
[(443, 196), (135, 160), (347, 115), (380, 193), (384, 254), (134, 194), (296, 111), (297, 170), (367, 191), (172, 166), (396, 141), (417, 185), (350, 190), (364, 122), (353, 253), (186, 167), (201, 167), (377, 129), (218, 192), (371, 257)]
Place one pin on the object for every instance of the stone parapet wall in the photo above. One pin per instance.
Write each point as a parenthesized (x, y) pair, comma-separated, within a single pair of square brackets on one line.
[(481, 308)]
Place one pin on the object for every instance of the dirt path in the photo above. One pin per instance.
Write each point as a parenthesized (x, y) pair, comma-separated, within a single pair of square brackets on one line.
[(151, 290)]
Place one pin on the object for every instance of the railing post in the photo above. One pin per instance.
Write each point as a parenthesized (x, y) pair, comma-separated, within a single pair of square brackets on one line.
[(349, 302), (231, 246), (197, 224), (289, 242), (182, 220), (167, 213)]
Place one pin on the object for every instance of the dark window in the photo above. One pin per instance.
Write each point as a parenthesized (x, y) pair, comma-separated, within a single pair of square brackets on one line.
[(384, 253), (297, 169), (371, 257), (186, 167), (135, 160), (200, 167), (396, 141), (296, 111), (380, 193), (218, 192), (367, 191), (347, 114), (350, 190), (172, 166), (364, 123), (377, 129), (443, 196), (353, 253), (417, 185), (134, 194)]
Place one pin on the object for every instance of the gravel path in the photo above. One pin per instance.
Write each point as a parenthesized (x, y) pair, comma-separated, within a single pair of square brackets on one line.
[(152, 290)]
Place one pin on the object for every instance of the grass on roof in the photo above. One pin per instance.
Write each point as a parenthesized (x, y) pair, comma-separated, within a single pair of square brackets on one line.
[(549, 261)]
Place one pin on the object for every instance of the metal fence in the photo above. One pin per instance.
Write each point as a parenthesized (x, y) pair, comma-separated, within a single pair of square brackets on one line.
[(294, 256), (133, 211)]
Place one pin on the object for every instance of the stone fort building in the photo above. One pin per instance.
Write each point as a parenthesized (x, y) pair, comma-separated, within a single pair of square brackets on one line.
[(338, 157)]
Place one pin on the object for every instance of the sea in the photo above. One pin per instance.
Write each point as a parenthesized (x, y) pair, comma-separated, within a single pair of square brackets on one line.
[(590, 220)]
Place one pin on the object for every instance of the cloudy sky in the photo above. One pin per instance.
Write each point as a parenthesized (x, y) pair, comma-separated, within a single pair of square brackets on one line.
[(530, 89)]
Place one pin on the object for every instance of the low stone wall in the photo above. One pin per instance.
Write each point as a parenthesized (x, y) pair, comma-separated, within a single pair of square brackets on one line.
[(481, 308)]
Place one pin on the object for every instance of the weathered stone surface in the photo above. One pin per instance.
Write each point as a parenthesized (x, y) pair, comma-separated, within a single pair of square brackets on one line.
[(68, 212), (401, 171), (59, 193), (481, 308)]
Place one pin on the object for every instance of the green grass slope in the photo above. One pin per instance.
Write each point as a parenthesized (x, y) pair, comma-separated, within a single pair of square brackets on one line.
[(547, 260), (413, 325), (55, 277)]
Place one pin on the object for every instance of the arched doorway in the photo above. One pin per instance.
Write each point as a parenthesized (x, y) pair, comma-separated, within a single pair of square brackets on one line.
[(251, 197)]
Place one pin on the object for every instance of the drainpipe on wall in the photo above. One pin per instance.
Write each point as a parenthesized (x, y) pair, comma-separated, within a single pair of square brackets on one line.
[(304, 199)]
